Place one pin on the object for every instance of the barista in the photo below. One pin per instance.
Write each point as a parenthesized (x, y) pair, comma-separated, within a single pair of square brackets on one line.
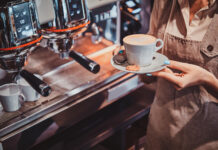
[(184, 112)]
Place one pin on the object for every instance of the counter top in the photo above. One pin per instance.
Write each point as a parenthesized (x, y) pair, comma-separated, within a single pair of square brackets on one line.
[(70, 84)]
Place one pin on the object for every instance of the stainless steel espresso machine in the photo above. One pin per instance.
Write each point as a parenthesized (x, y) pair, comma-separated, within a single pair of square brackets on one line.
[(19, 36), (87, 32), (70, 20)]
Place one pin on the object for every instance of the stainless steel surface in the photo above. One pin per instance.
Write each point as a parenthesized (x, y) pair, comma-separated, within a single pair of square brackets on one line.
[(70, 83), (68, 14), (70, 19), (13, 19), (92, 4), (18, 26), (123, 88), (105, 21), (44, 6), (19, 36), (13, 62)]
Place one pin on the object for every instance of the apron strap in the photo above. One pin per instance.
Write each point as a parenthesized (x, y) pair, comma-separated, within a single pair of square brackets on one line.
[(163, 19)]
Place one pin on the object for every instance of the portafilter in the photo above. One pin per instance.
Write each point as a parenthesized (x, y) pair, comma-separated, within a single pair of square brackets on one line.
[(19, 36), (70, 19)]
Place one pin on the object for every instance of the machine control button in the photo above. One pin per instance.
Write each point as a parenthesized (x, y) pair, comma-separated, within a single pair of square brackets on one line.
[(74, 6), (19, 30), (16, 15), (24, 13), (72, 13), (78, 11), (22, 21), (27, 27)]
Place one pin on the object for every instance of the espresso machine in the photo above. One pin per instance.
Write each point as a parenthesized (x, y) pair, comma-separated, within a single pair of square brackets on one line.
[(77, 95), (64, 22), (19, 36)]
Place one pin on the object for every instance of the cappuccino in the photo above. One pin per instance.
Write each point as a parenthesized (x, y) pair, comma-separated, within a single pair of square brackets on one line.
[(140, 49), (139, 39)]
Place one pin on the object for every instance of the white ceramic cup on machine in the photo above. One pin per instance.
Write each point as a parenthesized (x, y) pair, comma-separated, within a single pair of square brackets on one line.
[(29, 93), (140, 48), (10, 96)]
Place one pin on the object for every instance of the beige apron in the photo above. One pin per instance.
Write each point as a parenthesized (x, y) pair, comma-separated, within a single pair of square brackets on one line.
[(186, 119)]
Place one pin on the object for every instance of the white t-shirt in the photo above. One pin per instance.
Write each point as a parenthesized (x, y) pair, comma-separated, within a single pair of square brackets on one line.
[(179, 24)]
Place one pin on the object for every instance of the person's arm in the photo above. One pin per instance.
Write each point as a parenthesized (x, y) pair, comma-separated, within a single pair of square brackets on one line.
[(190, 75)]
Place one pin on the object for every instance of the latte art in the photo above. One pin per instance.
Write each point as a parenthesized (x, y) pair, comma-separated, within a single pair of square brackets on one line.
[(139, 39)]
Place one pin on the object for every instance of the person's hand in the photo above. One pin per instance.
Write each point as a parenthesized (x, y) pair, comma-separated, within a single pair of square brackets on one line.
[(190, 75)]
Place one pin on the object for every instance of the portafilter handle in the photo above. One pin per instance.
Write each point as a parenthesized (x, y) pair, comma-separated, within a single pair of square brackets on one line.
[(40, 86), (87, 63)]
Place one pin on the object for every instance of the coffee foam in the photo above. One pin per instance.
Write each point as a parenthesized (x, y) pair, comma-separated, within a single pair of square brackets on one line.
[(139, 39)]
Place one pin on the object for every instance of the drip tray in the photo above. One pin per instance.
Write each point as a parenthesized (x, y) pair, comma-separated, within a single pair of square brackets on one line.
[(67, 78)]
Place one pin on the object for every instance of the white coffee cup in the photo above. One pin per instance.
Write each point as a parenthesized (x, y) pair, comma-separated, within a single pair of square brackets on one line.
[(29, 93), (10, 96), (140, 48)]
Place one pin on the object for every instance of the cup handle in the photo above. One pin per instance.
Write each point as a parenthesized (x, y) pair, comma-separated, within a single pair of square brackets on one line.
[(161, 44), (37, 95), (22, 98)]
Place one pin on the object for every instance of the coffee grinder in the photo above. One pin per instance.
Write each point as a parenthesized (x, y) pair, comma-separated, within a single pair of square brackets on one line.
[(19, 36)]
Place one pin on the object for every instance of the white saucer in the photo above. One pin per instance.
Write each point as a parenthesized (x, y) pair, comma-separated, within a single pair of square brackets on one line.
[(157, 65)]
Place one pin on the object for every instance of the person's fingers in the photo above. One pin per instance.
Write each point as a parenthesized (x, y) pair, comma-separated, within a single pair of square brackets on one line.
[(168, 70), (179, 74), (170, 77), (163, 70), (179, 66), (177, 87)]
